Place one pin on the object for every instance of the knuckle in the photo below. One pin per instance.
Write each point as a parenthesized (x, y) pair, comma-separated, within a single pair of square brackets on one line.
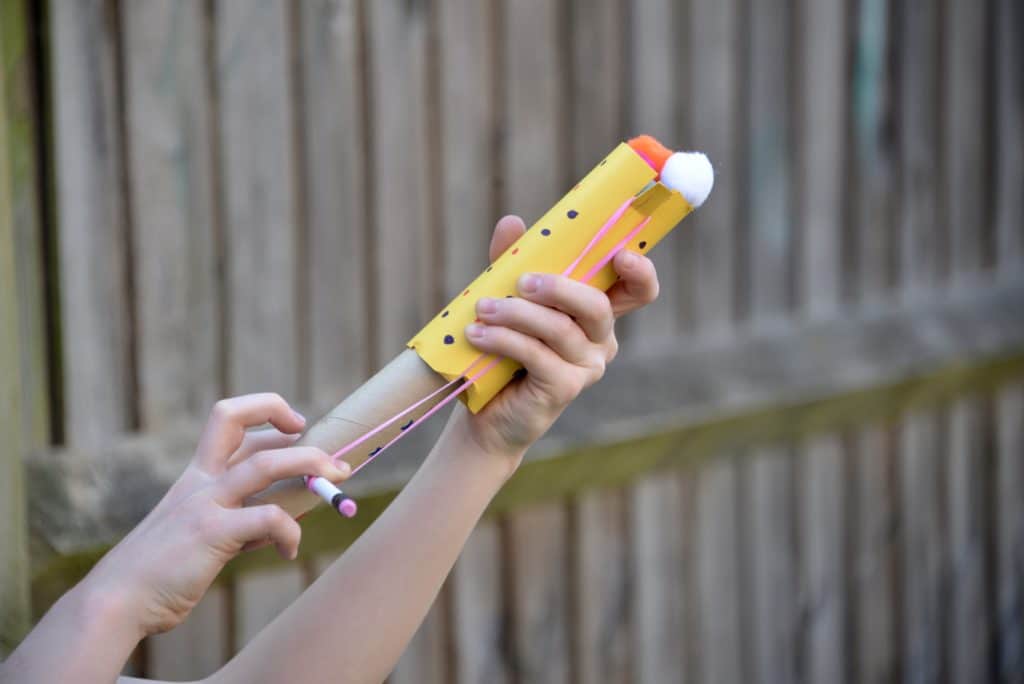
[(566, 328), (262, 465), (223, 409), (652, 292), (604, 307), (207, 527), (613, 349), (275, 398)]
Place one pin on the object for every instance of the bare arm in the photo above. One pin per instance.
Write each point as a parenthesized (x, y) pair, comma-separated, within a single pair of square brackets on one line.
[(354, 622)]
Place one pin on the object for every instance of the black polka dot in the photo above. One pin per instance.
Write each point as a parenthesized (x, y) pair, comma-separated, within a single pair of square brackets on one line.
[(376, 451), (408, 425), (573, 213), (643, 243), (489, 269), (444, 315), (448, 339), (509, 296), (546, 231)]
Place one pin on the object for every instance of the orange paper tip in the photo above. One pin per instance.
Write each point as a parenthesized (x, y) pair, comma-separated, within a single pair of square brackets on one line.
[(650, 149)]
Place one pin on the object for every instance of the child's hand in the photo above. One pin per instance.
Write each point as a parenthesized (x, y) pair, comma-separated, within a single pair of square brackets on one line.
[(160, 569), (563, 333)]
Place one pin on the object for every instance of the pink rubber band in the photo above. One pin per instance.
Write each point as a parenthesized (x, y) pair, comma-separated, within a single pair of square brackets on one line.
[(614, 250), (600, 234), (353, 444)]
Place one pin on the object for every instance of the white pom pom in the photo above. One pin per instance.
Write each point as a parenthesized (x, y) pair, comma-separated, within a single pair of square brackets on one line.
[(689, 173)]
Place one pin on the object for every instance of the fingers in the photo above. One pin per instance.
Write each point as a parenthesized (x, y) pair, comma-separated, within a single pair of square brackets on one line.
[(587, 305), (262, 469), (262, 440), (225, 429), (249, 526), (506, 231), (638, 284), (554, 328), (545, 367)]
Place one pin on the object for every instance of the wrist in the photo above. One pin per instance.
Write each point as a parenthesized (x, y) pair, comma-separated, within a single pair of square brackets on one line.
[(461, 442), (104, 607)]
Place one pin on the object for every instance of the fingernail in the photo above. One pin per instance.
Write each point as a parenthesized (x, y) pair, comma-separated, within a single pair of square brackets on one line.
[(629, 259), (298, 416), (344, 467), (487, 306), (529, 283), (475, 330)]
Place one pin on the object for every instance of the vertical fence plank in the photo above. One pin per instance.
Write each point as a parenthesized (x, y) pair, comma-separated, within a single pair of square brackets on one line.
[(821, 179), (598, 109), (963, 111), (922, 585), (23, 121), (655, 70), (14, 572), (1009, 510), (94, 298), (970, 634), (539, 542), (873, 209), (259, 196), (1009, 164), (335, 249), (658, 533), (468, 127), (602, 588), (823, 575), (770, 164), (922, 248), (170, 176), (771, 574), (479, 610), (424, 660), (197, 647), (874, 591), (535, 169), (260, 596), (721, 640), (397, 79), (715, 59)]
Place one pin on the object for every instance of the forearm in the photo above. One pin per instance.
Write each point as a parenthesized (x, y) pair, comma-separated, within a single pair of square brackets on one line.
[(354, 622), (85, 637)]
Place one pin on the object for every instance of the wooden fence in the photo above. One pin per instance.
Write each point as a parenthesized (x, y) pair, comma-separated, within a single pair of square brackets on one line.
[(807, 465)]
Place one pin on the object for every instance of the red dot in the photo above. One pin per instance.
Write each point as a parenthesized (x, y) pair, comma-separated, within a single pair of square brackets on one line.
[(515, 251), (465, 293)]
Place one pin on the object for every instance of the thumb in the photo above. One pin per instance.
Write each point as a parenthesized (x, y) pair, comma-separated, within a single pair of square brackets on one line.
[(506, 231)]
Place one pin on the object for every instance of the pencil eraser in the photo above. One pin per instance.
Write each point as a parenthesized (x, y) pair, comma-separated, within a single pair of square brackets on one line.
[(348, 508)]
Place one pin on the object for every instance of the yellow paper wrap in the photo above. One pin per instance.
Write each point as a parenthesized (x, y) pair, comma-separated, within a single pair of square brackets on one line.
[(549, 246)]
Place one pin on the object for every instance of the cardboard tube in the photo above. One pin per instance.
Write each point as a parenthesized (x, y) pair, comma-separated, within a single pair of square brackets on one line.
[(398, 385)]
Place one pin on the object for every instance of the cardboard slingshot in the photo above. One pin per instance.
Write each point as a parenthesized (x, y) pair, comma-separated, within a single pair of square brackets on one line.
[(631, 200)]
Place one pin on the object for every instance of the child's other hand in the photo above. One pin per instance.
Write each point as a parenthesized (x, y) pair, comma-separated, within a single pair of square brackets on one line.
[(161, 569), (563, 333)]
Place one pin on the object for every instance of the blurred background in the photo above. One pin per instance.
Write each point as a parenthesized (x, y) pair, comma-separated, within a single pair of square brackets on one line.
[(806, 465)]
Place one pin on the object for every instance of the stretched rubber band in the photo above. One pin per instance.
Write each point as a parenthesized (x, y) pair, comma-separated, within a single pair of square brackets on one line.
[(434, 409), (353, 444), (600, 234)]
